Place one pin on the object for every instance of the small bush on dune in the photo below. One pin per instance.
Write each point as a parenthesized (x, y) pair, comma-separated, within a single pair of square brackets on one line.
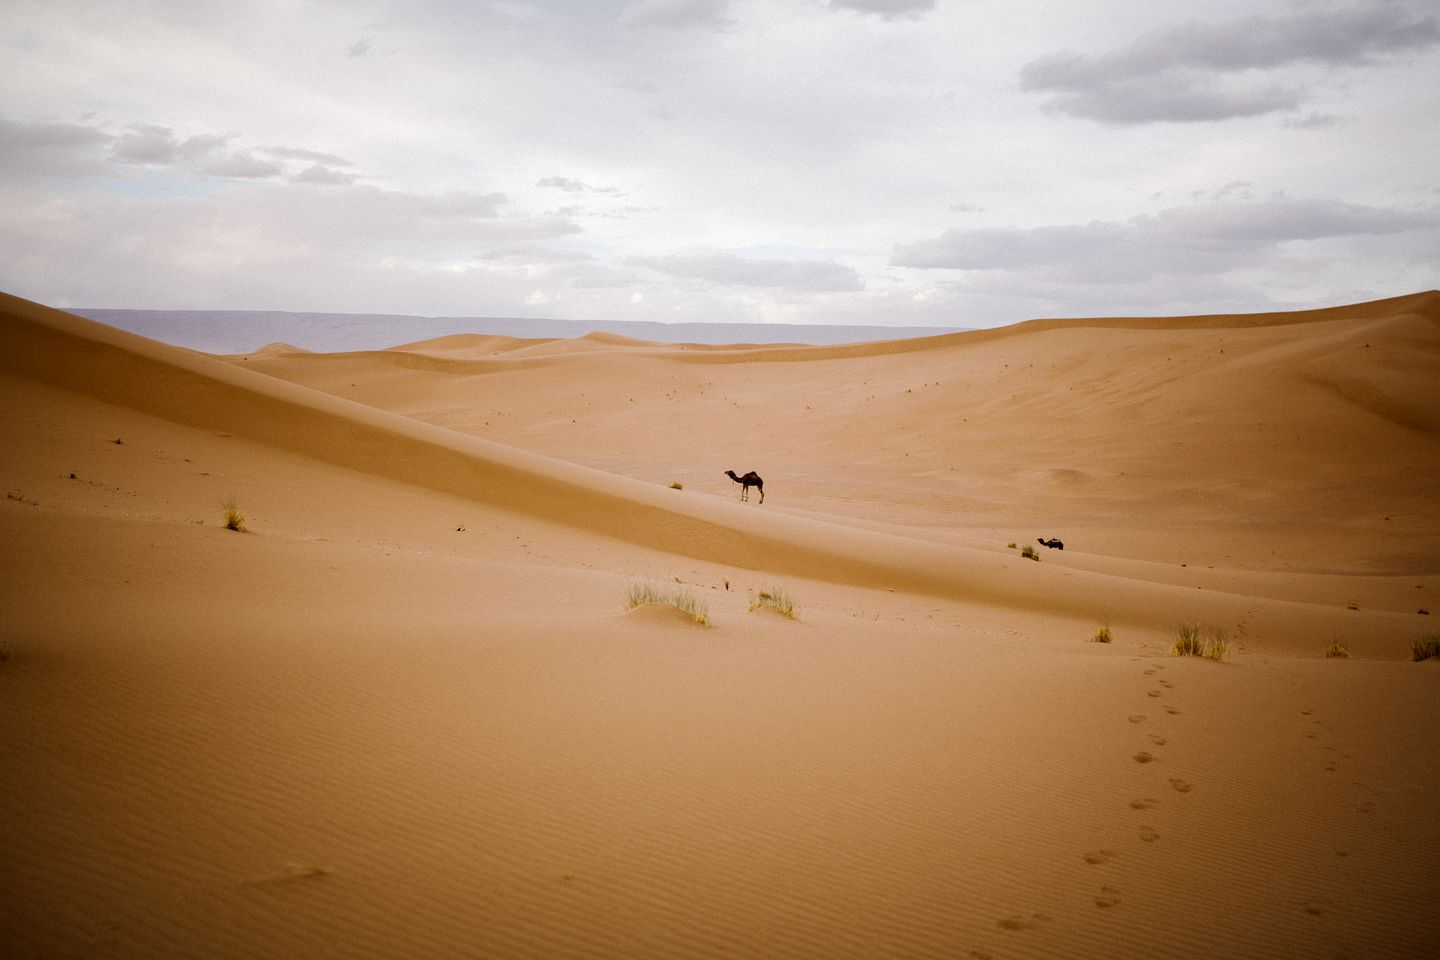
[(1426, 647), (1336, 650), (1102, 633), (1193, 640), (234, 519), (775, 599), (1028, 552), (640, 594)]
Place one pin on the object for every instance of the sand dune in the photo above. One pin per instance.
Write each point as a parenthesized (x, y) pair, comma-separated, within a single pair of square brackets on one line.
[(406, 712)]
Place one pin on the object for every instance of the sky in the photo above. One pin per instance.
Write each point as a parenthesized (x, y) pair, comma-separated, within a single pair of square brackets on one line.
[(960, 163)]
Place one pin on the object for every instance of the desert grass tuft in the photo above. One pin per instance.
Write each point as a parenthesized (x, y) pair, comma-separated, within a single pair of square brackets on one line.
[(1102, 633), (677, 485), (1337, 650), (1193, 640), (234, 519), (1426, 647), (775, 599), (640, 594), (1028, 552)]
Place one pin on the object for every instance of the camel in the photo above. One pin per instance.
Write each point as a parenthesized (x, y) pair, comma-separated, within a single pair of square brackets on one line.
[(1052, 543), (751, 479)]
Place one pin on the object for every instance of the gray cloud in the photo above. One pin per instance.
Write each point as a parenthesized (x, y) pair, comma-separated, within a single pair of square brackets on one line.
[(146, 145), (1208, 71), (810, 275), (678, 14), (72, 149), (51, 149), (573, 186), (314, 156), (318, 173), (531, 253), (203, 154), (1201, 239), (887, 9), (280, 245)]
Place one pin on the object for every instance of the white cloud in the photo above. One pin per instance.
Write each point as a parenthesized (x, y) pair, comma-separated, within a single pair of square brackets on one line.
[(809, 275), (726, 160), (887, 9)]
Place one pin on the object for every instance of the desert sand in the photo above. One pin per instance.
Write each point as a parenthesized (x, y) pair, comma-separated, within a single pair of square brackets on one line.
[(406, 713)]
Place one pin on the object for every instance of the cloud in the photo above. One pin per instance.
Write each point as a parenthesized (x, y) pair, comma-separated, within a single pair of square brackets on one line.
[(1314, 120), (326, 176), (573, 186), (51, 149), (146, 145), (1212, 238), (887, 9), (314, 156), (529, 254), (809, 275), (282, 245), (204, 154), (1215, 71), (678, 14)]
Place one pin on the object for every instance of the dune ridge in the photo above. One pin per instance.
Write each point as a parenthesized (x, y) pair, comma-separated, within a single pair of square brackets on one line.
[(195, 389)]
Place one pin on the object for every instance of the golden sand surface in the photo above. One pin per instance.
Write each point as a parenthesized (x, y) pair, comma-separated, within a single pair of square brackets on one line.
[(406, 713)]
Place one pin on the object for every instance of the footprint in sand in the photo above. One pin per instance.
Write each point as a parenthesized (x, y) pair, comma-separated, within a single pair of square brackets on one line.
[(1180, 786), (1153, 693), (291, 873), (1144, 803), (1159, 741), (1144, 757), (1137, 718), (1018, 922), (1150, 672), (1107, 898), (1166, 684), (1097, 857), (1365, 806), (1315, 907), (1172, 711), (1148, 834)]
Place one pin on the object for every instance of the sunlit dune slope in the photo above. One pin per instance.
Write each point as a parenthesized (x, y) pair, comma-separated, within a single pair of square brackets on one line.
[(1299, 441), (407, 713), (189, 388)]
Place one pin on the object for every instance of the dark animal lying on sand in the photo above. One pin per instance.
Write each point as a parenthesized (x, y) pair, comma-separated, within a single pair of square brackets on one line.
[(1052, 543)]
